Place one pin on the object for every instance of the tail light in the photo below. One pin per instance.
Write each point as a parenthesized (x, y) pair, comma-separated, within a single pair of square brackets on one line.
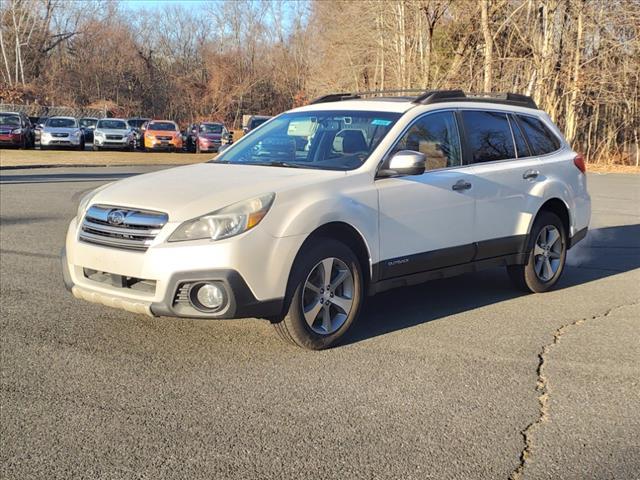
[(579, 163)]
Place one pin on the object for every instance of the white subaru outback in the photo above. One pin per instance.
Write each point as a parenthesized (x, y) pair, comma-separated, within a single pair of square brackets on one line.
[(323, 205)]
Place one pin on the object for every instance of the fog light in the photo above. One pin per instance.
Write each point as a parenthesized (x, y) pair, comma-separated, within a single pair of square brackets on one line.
[(208, 296)]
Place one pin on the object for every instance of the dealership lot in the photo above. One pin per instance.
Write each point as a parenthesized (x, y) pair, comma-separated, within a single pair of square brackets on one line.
[(437, 381)]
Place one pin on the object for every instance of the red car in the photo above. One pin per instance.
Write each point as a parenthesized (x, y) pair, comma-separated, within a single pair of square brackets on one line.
[(208, 136), (16, 130)]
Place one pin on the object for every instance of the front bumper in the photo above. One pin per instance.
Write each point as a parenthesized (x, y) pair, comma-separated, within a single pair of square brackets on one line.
[(10, 139), (60, 141), (255, 284), (115, 144)]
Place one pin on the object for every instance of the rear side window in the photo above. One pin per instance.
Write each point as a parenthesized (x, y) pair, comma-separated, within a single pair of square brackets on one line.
[(521, 144), (541, 140), (489, 136)]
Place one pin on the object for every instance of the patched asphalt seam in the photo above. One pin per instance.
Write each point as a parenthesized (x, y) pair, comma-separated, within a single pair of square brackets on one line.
[(543, 390)]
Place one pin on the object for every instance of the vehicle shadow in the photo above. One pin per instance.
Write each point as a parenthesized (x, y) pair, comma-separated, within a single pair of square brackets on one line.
[(604, 252)]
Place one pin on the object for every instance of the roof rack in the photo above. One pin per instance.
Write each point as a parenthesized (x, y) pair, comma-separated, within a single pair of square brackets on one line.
[(338, 97), (438, 96)]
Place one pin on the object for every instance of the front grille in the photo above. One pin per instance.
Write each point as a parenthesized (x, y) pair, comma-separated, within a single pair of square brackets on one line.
[(120, 281), (159, 137), (114, 137), (123, 228), (60, 135)]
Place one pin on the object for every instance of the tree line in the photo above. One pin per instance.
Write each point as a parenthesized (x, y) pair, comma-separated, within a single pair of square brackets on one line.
[(578, 59)]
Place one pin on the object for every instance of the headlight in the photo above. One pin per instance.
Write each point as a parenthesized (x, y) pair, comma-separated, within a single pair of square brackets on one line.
[(77, 133), (226, 222), (45, 134), (84, 201), (98, 134), (17, 131)]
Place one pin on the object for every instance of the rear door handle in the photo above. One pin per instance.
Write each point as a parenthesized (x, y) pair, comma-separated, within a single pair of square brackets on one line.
[(530, 174), (461, 185)]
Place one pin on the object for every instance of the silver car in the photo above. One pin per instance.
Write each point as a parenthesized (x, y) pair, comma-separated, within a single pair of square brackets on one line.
[(113, 133), (61, 132)]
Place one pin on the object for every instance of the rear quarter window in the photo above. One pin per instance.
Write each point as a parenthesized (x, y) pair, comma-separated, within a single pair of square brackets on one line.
[(488, 135), (541, 139)]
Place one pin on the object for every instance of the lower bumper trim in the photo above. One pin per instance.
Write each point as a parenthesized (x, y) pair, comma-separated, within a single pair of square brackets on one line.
[(580, 234), (112, 301)]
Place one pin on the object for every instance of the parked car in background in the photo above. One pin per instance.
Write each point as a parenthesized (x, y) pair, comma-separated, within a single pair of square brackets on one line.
[(206, 136), (88, 124), (162, 135), (16, 130), (113, 133), (61, 132), (254, 122), (136, 124)]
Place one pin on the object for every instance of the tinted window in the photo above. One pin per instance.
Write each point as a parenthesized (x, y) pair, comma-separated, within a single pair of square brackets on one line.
[(542, 141), (521, 144), (489, 136), (436, 136)]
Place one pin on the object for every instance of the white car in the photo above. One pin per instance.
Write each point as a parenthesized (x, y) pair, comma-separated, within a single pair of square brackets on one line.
[(323, 205), (61, 132), (113, 133)]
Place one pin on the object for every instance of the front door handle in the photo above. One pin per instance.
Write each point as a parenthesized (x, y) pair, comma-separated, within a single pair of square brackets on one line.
[(461, 185), (530, 174)]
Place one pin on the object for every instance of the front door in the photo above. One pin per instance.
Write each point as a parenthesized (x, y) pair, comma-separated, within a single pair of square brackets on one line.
[(426, 221)]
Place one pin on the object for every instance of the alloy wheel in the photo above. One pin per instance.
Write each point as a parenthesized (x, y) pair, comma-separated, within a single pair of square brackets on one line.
[(327, 297), (547, 253)]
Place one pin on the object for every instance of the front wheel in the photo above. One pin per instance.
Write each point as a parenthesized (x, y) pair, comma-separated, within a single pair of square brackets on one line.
[(326, 293), (546, 258)]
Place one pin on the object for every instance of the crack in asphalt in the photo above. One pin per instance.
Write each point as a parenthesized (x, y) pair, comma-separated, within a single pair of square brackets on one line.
[(543, 390)]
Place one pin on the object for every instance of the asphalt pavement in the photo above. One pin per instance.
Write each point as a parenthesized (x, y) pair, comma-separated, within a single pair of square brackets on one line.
[(454, 379)]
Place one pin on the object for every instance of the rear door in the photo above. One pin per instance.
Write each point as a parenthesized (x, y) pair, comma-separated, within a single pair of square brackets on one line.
[(426, 221), (507, 181)]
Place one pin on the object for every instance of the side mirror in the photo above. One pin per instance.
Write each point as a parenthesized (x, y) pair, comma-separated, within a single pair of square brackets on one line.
[(405, 162)]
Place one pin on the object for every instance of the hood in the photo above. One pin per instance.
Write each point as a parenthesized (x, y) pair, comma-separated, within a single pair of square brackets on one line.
[(60, 130), (162, 132), (193, 190), (113, 131), (211, 136)]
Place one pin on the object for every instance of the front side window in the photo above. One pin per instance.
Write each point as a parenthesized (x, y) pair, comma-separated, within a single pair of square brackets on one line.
[(62, 123), (542, 141), (327, 140), (489, 136), (112, 125), (435, 135)]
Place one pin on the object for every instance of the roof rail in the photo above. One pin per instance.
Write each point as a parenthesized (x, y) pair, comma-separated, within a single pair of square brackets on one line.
[(437, 96)]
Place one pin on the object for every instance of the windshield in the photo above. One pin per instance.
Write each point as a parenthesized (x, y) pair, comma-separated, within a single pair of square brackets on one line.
[(87, 122), (163, 126), (112, 124), (11, 120), (61, 123), (210, 128), (328, 140), (137, 123)]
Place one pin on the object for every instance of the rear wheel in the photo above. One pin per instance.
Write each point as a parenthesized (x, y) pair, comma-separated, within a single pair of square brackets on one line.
[(546, 258), (326, 294)]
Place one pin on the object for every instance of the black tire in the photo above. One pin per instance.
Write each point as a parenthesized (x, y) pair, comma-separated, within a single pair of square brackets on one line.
[(293, 327), (524, 277), (81, 146), (197, 147), (96, 148)]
